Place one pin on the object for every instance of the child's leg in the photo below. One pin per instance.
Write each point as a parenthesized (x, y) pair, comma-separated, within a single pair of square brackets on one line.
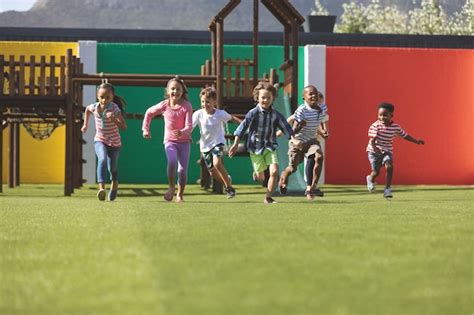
[(172, 157), (309, 170), (272, 181), (101, 153), (183, 163), (219, 172), (295, 157), (318, 167), (112, 164), (389, 168)]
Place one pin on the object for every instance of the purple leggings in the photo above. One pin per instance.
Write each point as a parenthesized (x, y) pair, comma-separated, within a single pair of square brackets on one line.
[(178, 154)]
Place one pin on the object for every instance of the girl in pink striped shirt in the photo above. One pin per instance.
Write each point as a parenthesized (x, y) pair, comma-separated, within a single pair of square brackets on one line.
[(108, 119), (177, 113), (379, 149)]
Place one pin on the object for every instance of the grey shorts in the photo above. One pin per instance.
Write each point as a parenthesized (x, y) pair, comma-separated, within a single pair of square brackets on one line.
[(378, 159), (208, 156)]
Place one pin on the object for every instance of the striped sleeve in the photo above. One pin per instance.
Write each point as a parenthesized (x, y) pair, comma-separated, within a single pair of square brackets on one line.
[(373, 131), (402, 133)]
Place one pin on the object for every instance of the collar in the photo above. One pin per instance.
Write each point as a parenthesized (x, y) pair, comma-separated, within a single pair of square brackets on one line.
[(260, 109)]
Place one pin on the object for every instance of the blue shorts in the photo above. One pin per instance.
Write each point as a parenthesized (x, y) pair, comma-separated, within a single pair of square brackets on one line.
[(208, 156), (378, 159)]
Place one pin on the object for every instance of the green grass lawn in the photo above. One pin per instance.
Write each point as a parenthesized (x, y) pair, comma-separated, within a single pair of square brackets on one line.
[(350, 252)]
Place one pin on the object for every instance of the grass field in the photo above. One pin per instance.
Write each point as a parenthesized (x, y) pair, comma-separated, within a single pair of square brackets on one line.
[(350, 252)]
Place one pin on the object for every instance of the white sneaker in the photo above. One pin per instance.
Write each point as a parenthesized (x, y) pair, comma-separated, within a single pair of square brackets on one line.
[(370, 184), (387, 192)]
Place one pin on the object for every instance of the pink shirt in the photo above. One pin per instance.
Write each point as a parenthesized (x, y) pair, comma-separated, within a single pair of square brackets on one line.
[(106, 130), (178, 118)]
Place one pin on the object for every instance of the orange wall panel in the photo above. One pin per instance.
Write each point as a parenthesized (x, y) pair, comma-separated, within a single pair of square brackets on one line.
[(432, 90)]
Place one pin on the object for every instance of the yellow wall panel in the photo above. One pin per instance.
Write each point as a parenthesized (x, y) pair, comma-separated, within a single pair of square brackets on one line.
[(40, 161)]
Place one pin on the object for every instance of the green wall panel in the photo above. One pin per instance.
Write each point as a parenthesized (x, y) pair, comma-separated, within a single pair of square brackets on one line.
[(144, 161)]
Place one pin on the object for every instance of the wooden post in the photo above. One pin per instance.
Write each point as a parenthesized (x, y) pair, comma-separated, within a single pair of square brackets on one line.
[(294, 83), (1, 140), (62, 75), (286, 44), (220, 61), (32, 75), (228, 78), (214, 51), (52, 76), (21, 77), (16, 153), (68, 173), (42, 78), (11, 76), (11, 156), (237, 78), (255, 42)]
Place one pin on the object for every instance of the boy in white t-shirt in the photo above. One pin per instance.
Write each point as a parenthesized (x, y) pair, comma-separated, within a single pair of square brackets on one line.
[(211, 124)]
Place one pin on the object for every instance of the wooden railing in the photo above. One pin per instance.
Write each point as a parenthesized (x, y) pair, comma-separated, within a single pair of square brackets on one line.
[(43, 77)]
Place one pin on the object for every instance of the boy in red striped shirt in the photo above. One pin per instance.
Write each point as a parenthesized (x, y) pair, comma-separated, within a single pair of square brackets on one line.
[(380, 148)]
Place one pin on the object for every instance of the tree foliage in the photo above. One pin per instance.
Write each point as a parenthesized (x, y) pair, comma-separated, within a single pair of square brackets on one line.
[(428, 18)]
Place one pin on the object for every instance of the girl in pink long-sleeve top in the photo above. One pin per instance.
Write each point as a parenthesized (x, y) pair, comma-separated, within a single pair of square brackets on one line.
[(177, 113)]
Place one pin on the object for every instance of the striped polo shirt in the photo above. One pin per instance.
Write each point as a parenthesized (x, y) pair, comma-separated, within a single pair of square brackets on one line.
[(262, 126), (313, 118), (106, 130), (384, 135)]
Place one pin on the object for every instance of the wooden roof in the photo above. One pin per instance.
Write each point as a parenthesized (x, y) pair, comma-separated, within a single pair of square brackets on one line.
[(281, 9)]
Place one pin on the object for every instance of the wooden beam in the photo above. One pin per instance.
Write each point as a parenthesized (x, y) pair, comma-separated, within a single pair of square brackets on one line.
[(68, 173), (220, 62), (255, 41), (294, 83)]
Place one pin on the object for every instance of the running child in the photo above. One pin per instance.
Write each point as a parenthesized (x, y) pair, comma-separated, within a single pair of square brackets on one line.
[(307, 120), (177, 114), (211, 122), (262, 123), (107, 143), (380, 146)]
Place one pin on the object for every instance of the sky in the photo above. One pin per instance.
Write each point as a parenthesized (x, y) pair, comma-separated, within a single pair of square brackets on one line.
[(17, 5)]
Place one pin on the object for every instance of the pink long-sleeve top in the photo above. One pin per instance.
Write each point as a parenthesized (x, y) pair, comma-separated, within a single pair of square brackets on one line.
[(178, 118)]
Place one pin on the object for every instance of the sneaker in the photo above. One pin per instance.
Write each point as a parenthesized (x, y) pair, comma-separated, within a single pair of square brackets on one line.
[(254, 177), (387, 192), (370, 184), (269, 200), (317, 192), (112, 195), (169, 195), (230, 192), (101, 194), (283, 189)]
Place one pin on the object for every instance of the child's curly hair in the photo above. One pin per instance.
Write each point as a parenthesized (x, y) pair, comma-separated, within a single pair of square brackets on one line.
[(209, 92), (387, 106), (263, 85)]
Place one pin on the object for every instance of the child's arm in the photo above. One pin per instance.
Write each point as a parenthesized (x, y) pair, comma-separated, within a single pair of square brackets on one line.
[(236, 119), (233, 148), (188, 122), (324, 129), (87, 115), (376, 149), (149, 114), (411, 139)]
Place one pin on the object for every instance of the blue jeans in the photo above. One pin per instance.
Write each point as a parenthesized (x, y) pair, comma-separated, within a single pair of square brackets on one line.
[(107, 158)]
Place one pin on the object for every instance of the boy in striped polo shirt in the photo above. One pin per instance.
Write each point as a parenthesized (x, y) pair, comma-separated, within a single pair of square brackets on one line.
[(380, 148), (307, 120), (262, 123)]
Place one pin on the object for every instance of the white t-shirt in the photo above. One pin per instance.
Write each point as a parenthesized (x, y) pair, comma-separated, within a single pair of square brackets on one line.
[(211, 127)]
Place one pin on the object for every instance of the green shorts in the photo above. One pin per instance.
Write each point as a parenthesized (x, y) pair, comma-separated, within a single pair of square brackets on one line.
[(260, 162)]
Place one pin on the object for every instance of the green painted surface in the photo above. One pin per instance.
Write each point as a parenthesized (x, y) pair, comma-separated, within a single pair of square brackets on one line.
[(144, 161)]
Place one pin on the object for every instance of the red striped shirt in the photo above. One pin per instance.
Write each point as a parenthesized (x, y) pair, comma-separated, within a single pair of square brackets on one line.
[(384, 135)]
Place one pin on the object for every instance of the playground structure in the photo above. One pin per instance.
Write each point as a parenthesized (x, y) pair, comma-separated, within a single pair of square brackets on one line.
[(37, 96)]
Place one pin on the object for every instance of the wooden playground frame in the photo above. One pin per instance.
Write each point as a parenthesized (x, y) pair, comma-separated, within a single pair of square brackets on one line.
[(34, 90)]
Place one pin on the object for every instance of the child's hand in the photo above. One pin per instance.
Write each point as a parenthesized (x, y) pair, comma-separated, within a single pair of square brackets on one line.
[(178, 133), (84, 129), (233, 150), (109, 115), (297, 143), (420, 142), (146, 134), (279, 133), (325, 134)]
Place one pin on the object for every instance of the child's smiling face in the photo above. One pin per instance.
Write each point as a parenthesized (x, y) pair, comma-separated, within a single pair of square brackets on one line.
[(385, 115), (265, 98), (208, 104), (310, 96)]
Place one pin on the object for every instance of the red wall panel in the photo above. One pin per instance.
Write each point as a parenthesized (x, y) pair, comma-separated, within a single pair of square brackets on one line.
[(433, 94)]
